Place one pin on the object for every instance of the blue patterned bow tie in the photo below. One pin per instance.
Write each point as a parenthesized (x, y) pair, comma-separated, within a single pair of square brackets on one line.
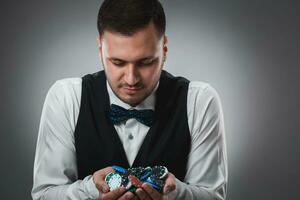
[(119, 114)]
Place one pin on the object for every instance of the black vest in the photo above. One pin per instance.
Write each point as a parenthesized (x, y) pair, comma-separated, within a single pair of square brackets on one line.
[(166, 143)]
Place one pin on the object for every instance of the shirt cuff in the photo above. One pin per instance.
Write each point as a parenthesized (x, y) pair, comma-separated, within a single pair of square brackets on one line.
[(90, 188), (173, 195), (186, 191)]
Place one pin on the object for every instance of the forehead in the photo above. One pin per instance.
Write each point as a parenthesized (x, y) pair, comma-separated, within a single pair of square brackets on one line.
[(141, 44)]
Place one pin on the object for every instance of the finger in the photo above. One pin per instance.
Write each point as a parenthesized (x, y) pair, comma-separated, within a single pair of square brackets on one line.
[(136, 198), (127, 196), (106, 171), (98, 178), (102, 186), (151, 191), (170, 183), (142, 194), (100, 174), (115, 194)]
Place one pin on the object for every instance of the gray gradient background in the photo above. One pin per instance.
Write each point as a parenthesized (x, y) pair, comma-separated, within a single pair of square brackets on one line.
[(247, 50)]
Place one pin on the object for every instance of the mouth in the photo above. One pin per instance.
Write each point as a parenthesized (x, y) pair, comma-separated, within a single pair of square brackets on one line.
[(132, 90)]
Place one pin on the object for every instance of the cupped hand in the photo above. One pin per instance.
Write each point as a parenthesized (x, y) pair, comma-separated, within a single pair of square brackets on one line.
[(146, 192)]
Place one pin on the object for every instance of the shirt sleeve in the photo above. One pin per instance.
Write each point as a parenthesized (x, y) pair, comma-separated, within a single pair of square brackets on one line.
[(55, 171), (206, 177)]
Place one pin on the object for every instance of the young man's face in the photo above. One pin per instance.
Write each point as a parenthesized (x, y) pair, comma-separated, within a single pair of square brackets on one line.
[(133, 64)]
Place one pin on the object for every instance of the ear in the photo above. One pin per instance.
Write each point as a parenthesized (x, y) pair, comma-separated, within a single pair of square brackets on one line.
[(165, 47), (99, 41), (99, 48)]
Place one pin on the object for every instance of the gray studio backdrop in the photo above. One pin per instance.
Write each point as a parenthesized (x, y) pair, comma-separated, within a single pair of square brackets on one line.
[(247, 50)]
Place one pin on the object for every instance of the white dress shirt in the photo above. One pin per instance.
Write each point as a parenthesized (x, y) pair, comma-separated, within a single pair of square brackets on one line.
[(55, 169)]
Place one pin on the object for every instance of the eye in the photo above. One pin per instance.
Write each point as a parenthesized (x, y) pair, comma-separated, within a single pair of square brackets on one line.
[(147, 62), (118, 62)]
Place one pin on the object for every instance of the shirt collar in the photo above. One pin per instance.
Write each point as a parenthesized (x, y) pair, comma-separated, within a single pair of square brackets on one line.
[(148, 103)]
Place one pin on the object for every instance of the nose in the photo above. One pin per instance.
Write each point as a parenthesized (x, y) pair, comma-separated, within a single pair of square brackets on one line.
[(131, 75)]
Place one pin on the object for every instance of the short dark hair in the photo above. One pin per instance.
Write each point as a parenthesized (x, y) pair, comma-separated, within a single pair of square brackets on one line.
[(129, 16)]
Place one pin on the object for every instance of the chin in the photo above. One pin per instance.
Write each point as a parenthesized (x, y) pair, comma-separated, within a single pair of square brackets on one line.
[(132, 101)]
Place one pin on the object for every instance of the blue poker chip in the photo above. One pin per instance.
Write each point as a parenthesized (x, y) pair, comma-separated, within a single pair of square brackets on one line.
[(118, 169), (146, 174), (155, 181), (154, 186)]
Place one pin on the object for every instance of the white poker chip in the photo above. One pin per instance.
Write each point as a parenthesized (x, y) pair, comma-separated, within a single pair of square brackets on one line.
[(129, 185), (159, 171), (165, 172), (113, 180)]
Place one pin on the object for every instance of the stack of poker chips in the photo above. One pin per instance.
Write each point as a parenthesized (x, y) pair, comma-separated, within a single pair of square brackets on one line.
[(133, 178)]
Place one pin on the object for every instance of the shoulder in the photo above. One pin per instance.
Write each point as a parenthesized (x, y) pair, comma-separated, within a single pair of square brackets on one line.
[(199, 90), (68, 83), (203, 104), (65, 87), (202, 95), (65, 93), (60, 111)]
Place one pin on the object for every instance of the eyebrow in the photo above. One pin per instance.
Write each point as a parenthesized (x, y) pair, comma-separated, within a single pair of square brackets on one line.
[(142, 59)]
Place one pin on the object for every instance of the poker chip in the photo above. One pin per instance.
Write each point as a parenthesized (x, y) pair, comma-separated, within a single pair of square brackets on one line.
[(118, 169), (133, 178), (146, 174), (156, 181), (159, 171), (136, 171), (154, 186), (135, 181), (133, 189), (129, 185), (124, 181), (114, 180)]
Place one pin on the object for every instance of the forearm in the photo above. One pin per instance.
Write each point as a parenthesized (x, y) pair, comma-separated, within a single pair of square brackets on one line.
[(186, 191), (79, 190)]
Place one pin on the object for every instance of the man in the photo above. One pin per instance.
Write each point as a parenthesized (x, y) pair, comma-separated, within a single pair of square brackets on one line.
[(81, 136)]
